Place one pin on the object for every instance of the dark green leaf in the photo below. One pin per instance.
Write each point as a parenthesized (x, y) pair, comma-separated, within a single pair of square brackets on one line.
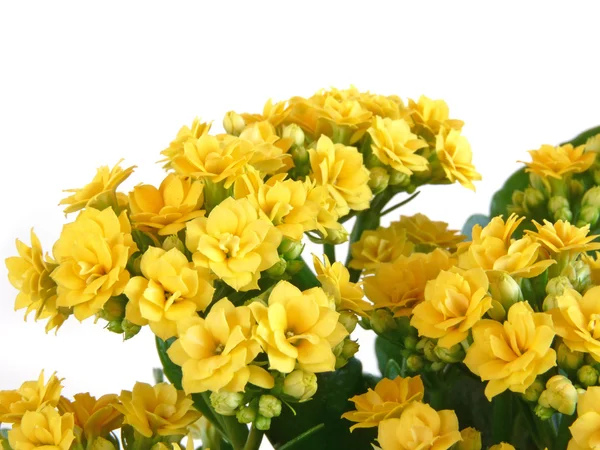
[(518, 181), (385, 351), (475, 219), (581, 138), (392, 369)]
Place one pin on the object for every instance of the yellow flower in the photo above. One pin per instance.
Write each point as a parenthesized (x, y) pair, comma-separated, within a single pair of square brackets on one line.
[(167, 208), (585, 429), (471, 439), (564, 239), (576, 320), (104, 183), (270, 151), (234, 242), (341, 170), (157, 410), (185, 134), (30, 274), (45, 429), (335, 280), (502, 446), (215, 353), (31, 396), (275, 114), (512, 354), (454, 301), (214, 158), (454, 153), (432, 115), (92, 253), (327, 216), (594, 264), (96, 417), (395, 145), (400, 286), (383, 106), (375, 247), (171, 289), (423, 231), (419, 427), (298, 329), (386, 401), (557, 162)]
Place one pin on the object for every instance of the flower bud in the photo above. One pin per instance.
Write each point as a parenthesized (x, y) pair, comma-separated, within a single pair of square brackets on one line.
[(114, 309), (173, 242), (591, 197), (262, 423), (225, 403), (587, 376), (560, 394), (471, 440), (590, 361), (576, 188), (378, 179), (557, 285), (336, 236), (593, 144), (563, 214), (382, 321), (497, 311), (557, 202), (538, 183), (269, 406), (518, 198), (398, 178), (130, 329), (349, 349), (532, 199), (579, 274), (437, 366), (504, 289), (290, 249), (410, 342), (543, 413), (454, 354), (294, 266), (415, 363), (301, 158), (568, 360), (295, 133), (373, 161), (115, 326), (349, 320), (278, 269), (300, 385), (246, 414), (588, 215), (533, 392), (429, 351), (233, 123)]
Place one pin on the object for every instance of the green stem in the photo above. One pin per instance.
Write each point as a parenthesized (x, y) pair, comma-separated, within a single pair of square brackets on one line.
[(236, 432), (329, 250), (402, 203), (254, 439), (503, 417), (300, 437)]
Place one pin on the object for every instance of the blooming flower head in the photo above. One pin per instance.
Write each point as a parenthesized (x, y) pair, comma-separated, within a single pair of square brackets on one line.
[(341, 170), (454, 153), (419, 426), (400, 285), (274, 113), (234, 242), (328, 214), (432, 115), (396, 146), (556, 162), (380, 105), (167, 208), (96, 417), (454, 301), (215, 353), (387, 400), (335, 280), (375, 247), (92, 254), (270, 151), (298, 329), (157, 410), (106, 181), (512, 354), (171, 289), (502, 446), (176, 148), (562, 239), (44, 429), (423, 231), (585, 429), (593, 262)]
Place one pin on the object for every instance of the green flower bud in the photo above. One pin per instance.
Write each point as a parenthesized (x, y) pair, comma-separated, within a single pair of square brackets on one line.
[(410, 342), (415, 363), (295, 133), (382, 321), (300, 157), (557, 285), (429, 351), (533, 392), (550, 302), (560, 394), (233, 123), (518, 198), (576, 188), (588, 215), (246, 414), (437, 366), (373, 161), (557, 202), (114, 308), (129, 329), (173, 242), (115, 326), (336, 236), (532, 199), (563, 214), (290, 249), (225, 403), (579, 274), (294, 266), (591, 197), (269, 406), (262, 423), (349, 349), (497, 311), (568, 360), (504, 289), (587, 376), (454, 354), (590, 361), (349, 320), (300, 385), (543, 413), (378, 179), (421, 344), (538, 183), (398, 178), (278, 269), (471, 440)]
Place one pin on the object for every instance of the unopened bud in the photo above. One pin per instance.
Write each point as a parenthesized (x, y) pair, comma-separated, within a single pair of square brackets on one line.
[(225, 403), (454, 354), (130, 329), (171, 242), (290, 249), (349, 349), (398, 178), (294, 266), (246, 414), (591, 197), (557, 285), (382, 321), (300, 157), (587, 376), (262, 423), (568, 360), (295, 133), (560, 394), (497, 311), (300, 385), (336, 236), (563, 214), (437, 366), (349, 320), (579, 274), (593, 144), (233, 123), (538, 183), (590, 361), (471, 440), (114, 308), (543, 413), (115, 326), (517, 198), (378, 179), (504, 289), (557, 202), (533, 392), (415, 363), (269, 406), (532, 199), (429, 351), (373, 161), (277, 269), (576, 188), (588, 215), (410, 342)]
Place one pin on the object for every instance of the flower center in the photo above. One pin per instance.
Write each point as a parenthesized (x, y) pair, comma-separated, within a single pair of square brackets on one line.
[(289, 334), (229, 243), (219, 349)]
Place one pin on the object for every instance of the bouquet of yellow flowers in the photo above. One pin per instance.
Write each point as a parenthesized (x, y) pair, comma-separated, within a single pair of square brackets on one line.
[(491, 342)]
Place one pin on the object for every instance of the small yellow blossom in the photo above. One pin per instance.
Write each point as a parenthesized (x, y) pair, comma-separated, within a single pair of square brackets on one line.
[(502, 446), (593, 144), (423, 231), (419, 426), (400, 286), (234, 242), (270, 151), (432, 115), (215, 353), (375, 247), (92, 254), (104, 183), (167, 208), (585, 429), (43, 429), (557, 162), (454, 301), (176, 148), (564, 239), (274, 113), (335, 280), (381, 105), (512, 354), (471, 439), (341, 170), (298, 329), (171, 289), (386, 401), (396, 146), (157, 410), (455, 156), (96, 417), (593, 263), (327, 216)]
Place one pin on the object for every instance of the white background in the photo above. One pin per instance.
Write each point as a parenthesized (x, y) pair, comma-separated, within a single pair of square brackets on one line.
[(84, 84)]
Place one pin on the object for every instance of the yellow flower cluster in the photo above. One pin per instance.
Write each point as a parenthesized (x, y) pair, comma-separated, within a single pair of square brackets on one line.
[(557, 162)]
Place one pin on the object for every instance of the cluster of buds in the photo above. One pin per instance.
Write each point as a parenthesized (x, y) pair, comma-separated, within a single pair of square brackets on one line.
[(559, 395)]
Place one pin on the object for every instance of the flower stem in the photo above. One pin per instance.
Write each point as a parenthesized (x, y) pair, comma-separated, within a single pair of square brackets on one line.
[(254, 439), (329, 250), (237, 433)]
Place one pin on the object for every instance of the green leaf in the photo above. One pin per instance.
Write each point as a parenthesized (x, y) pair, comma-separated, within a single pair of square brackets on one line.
[(385, 351), (582, 138), (304, 278), (475, 219), (518, 181), (392, 369)]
